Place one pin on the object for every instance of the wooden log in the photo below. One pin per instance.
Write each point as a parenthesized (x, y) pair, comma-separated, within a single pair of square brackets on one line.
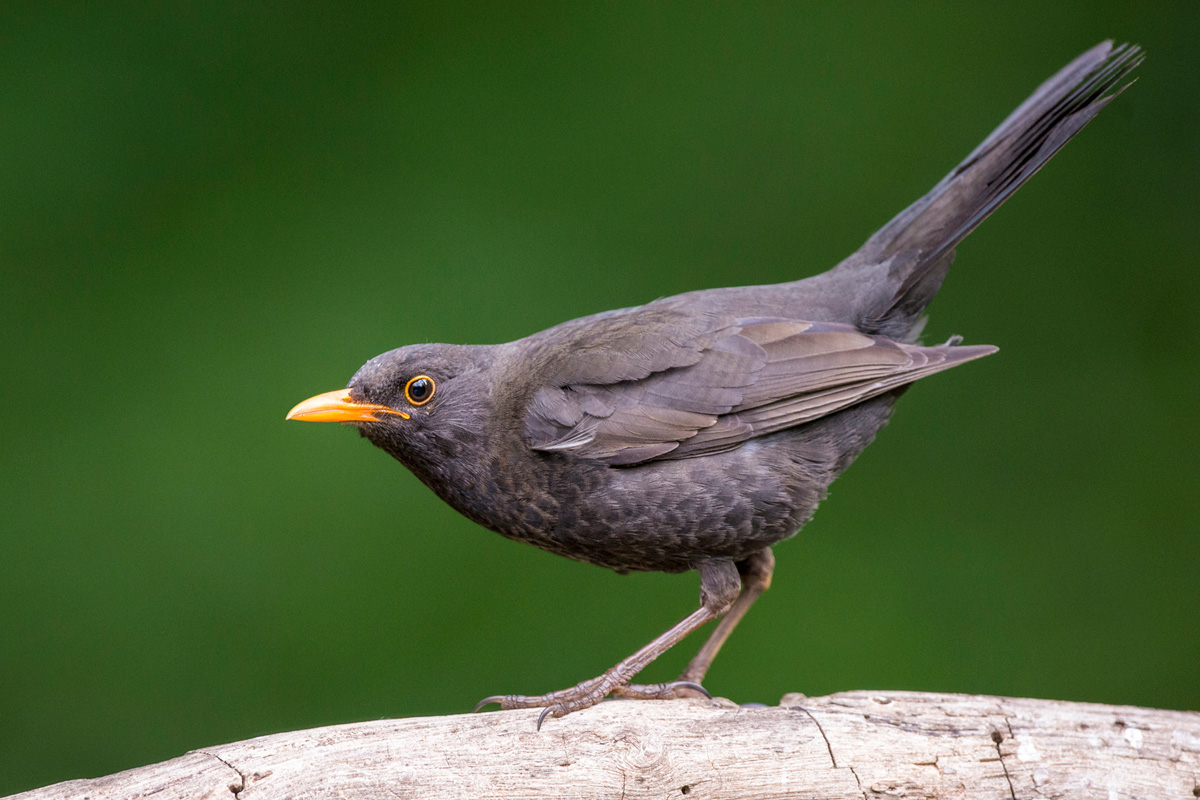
[(852, 745)]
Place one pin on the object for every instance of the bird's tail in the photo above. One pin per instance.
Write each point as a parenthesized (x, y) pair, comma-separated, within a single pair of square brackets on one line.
[(918, 244)]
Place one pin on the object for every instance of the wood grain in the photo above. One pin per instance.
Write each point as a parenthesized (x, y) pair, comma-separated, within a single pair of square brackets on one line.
[(852, 745)]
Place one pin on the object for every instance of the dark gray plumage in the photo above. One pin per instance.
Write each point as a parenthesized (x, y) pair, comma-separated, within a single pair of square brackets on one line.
[(698, 430)]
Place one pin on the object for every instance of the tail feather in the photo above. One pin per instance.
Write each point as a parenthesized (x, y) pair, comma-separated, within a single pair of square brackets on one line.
[(919, 242)]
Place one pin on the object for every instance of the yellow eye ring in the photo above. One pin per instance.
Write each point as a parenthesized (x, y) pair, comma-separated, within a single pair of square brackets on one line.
[(419, 390)]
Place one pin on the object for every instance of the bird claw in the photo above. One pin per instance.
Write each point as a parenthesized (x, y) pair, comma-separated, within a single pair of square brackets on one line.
[(589, 693), (576, 693), (662, 691), (496, 698)]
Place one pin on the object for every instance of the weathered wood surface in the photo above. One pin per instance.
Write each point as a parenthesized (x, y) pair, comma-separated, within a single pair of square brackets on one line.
[(853, 745)]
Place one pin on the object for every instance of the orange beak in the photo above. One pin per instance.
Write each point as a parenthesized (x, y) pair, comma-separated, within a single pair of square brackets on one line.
[(337, 406)]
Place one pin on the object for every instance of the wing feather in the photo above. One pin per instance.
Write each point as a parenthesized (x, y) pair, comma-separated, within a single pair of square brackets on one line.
[(686, 387)]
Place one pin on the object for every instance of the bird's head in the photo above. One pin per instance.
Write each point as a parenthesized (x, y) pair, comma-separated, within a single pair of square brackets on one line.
[(423, 404)]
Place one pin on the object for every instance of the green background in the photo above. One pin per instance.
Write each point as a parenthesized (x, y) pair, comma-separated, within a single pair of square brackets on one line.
[(213, 211)]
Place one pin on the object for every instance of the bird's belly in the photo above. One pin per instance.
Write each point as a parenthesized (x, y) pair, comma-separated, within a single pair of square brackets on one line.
[(666, 516)]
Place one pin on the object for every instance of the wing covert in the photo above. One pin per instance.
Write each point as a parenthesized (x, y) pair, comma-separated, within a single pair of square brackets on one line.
[(707, 389)]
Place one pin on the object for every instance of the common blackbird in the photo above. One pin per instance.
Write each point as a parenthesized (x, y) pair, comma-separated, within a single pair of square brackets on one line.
[(696, 431)]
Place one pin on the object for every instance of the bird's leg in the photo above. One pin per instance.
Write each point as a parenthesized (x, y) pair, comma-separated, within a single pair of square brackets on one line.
[(755, 573), (719, 584)]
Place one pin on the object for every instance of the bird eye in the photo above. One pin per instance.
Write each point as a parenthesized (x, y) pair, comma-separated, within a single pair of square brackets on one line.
[(419, 390)]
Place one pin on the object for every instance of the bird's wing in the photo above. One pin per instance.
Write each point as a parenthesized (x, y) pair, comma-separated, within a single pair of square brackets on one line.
[(678, 385), (628, 388)]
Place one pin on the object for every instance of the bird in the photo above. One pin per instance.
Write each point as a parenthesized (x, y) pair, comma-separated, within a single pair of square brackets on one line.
[(697, 431)]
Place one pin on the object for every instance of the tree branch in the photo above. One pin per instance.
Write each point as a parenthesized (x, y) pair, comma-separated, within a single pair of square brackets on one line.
[(852, 745)]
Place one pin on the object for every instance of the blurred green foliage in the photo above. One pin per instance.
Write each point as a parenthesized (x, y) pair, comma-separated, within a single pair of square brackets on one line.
[(213, 211)]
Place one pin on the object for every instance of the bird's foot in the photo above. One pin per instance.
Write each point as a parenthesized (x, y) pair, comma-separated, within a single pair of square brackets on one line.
[(560, 703), (662, 691), (689, 681), (590, 692)]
